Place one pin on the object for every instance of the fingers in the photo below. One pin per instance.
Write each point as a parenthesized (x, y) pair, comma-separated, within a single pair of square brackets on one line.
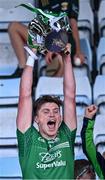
[(48, 57), (92, 108), (67, 49), (91, 111), (81, 58), (48, 60)]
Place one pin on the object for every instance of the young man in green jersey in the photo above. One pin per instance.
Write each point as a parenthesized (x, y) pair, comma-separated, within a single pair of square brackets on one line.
[(19, 32), (47, 153), (89, 148)]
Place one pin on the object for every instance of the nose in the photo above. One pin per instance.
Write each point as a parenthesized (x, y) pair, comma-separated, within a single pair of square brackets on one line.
[(51, 113)]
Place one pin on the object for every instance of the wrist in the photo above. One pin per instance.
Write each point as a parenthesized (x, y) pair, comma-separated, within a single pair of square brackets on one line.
[(30, 52), (88, 118), (30, 61)]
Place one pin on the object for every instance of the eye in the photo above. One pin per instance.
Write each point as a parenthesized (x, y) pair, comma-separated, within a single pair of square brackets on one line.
[(56, 111), (45, 111)]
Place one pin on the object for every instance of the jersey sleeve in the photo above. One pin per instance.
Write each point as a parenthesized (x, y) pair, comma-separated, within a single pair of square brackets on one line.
[(71, 134), (24, 141), (89, 148)]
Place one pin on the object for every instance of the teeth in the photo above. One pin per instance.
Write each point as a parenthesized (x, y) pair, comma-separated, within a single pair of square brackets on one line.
[(51, 120)]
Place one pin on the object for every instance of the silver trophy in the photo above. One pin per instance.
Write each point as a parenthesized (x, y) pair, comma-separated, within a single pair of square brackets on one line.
[(47, 31)]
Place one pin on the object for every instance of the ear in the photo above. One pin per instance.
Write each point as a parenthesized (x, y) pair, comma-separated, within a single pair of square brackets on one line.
[(60, 120), (36, 119), (61, 117)]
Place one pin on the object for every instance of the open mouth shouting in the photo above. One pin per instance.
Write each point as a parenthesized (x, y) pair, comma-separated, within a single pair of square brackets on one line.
[(51, 124)]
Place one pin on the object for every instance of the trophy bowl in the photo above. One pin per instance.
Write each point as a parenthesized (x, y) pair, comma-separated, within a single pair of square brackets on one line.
[(48, 35), (56, 41)]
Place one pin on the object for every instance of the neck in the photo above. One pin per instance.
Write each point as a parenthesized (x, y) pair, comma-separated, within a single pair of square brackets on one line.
[(48, 137)]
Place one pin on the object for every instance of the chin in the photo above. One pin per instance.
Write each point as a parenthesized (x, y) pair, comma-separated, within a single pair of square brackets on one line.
[(52, 133)]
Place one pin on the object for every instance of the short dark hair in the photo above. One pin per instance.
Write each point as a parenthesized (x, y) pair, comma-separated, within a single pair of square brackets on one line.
[(44, 99), (81, 166)]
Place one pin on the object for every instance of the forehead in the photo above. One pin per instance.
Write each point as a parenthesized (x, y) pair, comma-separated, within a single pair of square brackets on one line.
[(49, 105)]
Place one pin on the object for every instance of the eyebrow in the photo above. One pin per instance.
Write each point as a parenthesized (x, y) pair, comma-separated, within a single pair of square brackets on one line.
[(47, 109)]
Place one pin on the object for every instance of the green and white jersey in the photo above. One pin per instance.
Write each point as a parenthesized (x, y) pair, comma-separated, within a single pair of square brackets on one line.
[(47, 159)]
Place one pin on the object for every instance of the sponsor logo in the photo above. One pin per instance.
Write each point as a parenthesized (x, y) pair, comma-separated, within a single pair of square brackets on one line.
[(52, 158), (50, 165), (48, 157)]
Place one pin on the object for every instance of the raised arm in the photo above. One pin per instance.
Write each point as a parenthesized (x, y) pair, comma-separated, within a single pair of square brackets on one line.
[(69, 94), (24, 116), (88, 145)]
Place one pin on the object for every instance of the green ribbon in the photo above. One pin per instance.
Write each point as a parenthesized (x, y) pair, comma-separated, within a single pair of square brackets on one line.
[(39, 11)]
